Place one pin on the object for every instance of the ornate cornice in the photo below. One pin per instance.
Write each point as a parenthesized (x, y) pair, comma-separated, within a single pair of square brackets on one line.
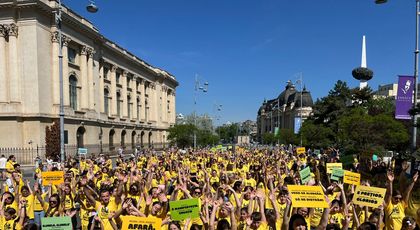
[(84, 50), (2, 31), (8, 30), (113, 68)]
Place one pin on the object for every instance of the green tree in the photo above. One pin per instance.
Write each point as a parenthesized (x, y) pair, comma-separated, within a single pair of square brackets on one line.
[(227, 133), (287, 136), (317, 136), (269, 138), (182, 135)]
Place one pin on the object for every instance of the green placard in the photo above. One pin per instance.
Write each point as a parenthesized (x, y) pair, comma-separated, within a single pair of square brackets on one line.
[(317, 152), (305, 175), (184, 209), (56, 223), (337, 174)]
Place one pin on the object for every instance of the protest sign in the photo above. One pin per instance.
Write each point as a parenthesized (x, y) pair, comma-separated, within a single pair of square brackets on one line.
[(307, 196), (369, 196), (82, 151), (305, 175), (351, 178), (300, 150), (317, 152), (183, 209), (53, 177), (337, 174), (134, 222), (56, 223), (331, 166)]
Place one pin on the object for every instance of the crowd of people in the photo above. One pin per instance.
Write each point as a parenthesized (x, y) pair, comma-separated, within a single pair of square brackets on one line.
[(242, 189)]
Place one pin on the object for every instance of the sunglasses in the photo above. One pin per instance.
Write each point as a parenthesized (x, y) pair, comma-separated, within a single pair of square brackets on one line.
[(8, 198), (53, 201)]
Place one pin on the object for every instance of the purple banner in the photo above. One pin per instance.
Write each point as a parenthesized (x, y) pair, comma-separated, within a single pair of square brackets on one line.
[(404, 100)]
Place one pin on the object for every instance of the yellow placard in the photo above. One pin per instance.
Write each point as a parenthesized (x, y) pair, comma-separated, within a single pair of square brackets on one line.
[(332, 166), (369, 196), (307, 196), (351, 178), (300, 150), (53, 177), (134, 222)]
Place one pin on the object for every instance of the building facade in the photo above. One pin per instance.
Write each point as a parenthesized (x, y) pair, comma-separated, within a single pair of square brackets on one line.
[(281, 111), (112, 98)]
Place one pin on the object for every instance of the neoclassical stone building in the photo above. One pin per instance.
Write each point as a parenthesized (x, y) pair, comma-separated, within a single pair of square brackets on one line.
[(112, 98), (282, 110)]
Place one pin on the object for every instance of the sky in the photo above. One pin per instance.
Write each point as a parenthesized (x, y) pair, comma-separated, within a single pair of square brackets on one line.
[(247, 50)]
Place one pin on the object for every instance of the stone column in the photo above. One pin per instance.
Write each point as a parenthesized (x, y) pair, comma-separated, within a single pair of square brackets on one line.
[(113, 90), (101, 87), (14, 79), (134, 97), (91, 88), (66, 84), (3, 77), (173, 107), (153, 104), (124, 113), (84, 78), (142, 98), (55, 69), (164, 92)]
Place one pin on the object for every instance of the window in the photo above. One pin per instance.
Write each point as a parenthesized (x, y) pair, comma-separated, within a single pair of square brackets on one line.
[(117, 75), (106, 71), (71, 55), (128, 107), (106, 101), (73, 92), (138, 108), (118, 104)]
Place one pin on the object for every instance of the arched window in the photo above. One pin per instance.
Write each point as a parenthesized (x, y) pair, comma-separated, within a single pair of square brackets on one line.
[(73, 92), (106, 101), (118, 104), (111, 139)]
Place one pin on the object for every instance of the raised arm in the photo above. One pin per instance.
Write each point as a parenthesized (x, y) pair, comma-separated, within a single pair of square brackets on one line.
[(407, 192), (388, 195)]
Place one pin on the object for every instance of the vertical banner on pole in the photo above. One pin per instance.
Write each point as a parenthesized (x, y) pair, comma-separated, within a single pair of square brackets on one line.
[(298, 124), (404, 100)]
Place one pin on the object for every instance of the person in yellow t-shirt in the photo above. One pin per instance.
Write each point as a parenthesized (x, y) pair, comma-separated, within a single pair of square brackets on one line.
[(394, 206), (10, 165), (412, 197), (10, 219), (29, 199)]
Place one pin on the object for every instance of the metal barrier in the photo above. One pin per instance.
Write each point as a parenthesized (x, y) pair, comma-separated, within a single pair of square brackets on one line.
[(27, 156)]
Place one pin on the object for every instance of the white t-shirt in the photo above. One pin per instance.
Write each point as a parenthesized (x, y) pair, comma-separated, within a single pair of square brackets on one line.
[(3, 162)]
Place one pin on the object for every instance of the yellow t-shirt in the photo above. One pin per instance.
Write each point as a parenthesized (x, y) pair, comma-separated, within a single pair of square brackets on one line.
[(104, 211), (336, 218), (316, 217), (413, 202), (37, 203), (9, 224), (394, 215), (30, 203)]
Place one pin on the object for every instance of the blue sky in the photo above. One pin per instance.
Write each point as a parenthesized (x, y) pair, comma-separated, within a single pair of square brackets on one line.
[(247, 50)]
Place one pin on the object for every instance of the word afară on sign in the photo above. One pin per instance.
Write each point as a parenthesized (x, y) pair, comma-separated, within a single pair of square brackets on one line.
[(144, 223)]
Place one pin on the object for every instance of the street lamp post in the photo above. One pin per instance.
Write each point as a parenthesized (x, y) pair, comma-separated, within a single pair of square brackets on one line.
[(416, 64), (197, 88), (300, 82), (92, 8)]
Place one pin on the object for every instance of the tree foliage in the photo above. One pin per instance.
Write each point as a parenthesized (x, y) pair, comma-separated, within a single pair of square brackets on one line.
[(182, 135), (227, 133), (354, 120)]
